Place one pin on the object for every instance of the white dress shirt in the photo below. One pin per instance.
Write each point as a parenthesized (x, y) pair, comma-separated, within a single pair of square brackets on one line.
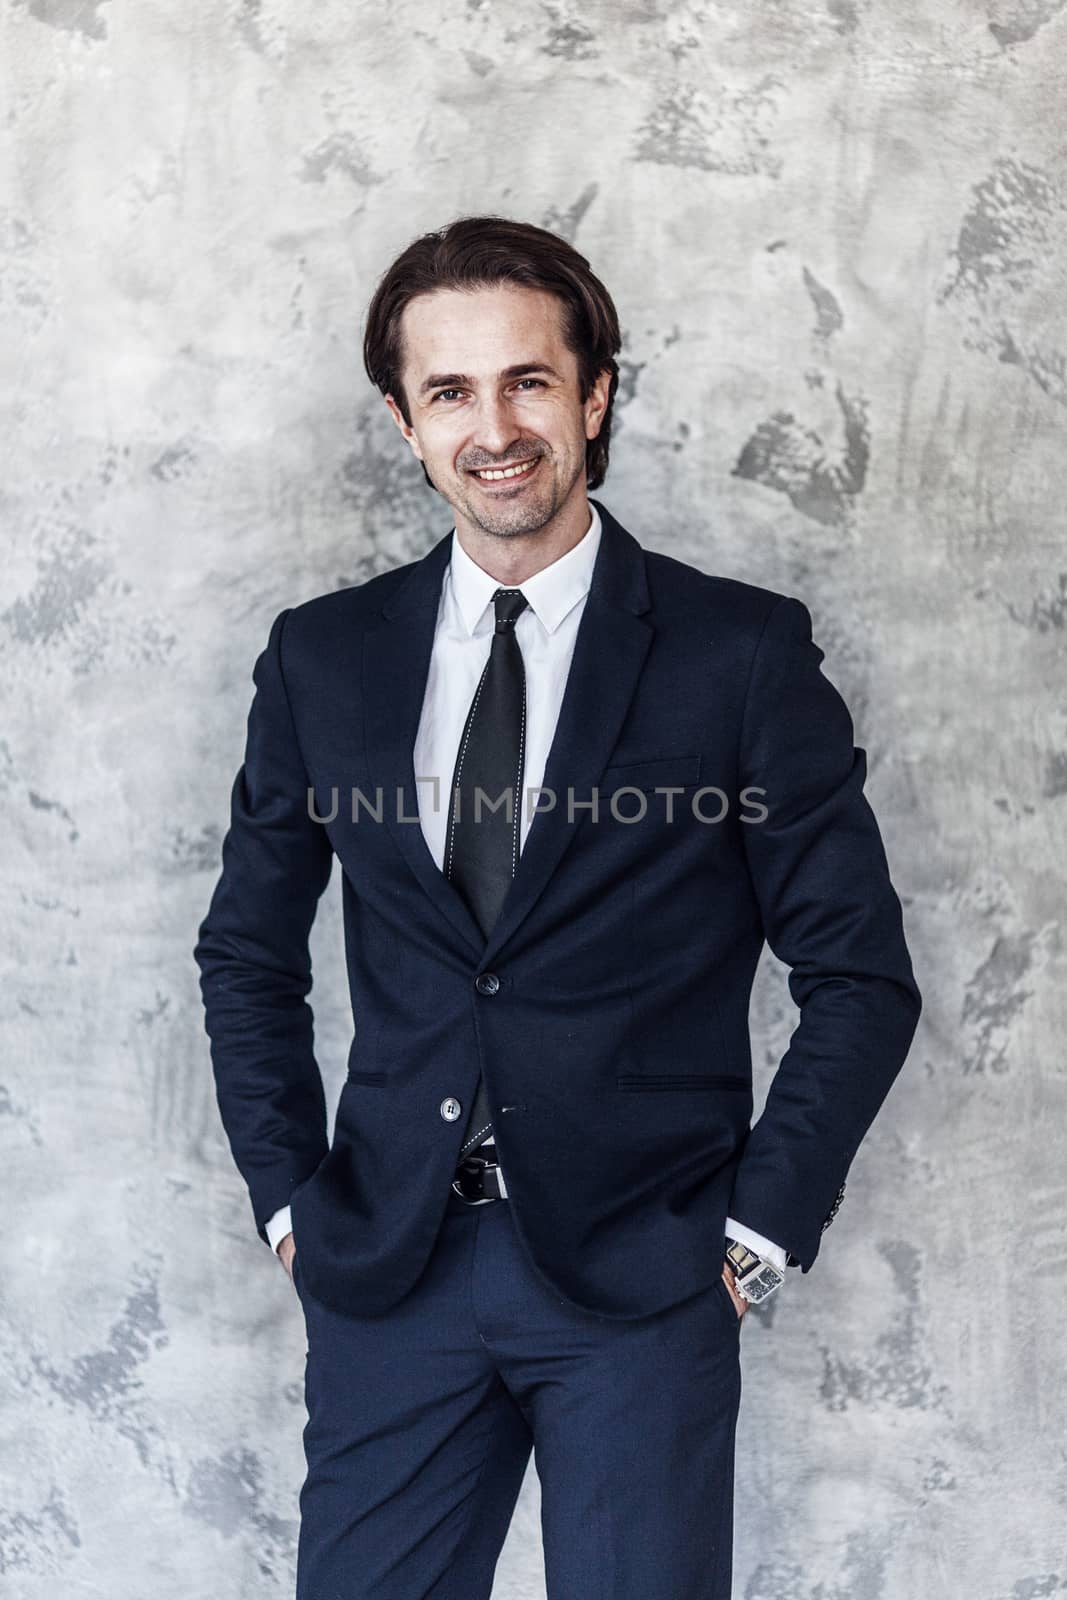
[(546, 630)]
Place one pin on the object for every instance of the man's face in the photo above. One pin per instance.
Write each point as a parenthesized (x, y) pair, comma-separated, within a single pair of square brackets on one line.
[(491, 384)]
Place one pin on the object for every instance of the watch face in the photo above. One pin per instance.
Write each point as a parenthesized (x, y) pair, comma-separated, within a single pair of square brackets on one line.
[(763, 1283)]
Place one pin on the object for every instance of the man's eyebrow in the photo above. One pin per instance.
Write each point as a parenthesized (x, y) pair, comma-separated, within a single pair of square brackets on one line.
[(459, 380)]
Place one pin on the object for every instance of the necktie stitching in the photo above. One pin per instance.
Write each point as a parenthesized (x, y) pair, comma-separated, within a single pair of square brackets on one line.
[(516, 817), (462, 757)]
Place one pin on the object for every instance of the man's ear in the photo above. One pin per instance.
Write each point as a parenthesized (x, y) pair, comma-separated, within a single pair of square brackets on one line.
[(408, 432), (597, 403)]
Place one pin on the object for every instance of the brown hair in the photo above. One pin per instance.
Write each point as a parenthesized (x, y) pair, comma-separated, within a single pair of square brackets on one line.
[(474, 252)]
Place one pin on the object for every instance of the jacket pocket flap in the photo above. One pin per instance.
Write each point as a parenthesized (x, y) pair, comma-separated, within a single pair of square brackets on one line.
[(663, 771), (682, 1080)]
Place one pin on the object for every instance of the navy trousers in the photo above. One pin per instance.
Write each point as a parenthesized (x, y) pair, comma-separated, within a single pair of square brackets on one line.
[(420, 1426)]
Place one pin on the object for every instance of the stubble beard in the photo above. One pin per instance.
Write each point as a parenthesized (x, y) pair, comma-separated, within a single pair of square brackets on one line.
[(511, 520)]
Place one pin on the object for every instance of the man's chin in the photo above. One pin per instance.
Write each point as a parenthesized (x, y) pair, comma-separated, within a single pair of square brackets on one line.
[(509, 521)]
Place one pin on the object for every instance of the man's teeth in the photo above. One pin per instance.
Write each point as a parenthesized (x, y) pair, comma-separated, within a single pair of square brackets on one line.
[(508, 472)]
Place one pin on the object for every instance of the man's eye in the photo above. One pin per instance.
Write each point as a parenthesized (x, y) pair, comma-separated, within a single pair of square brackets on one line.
[(442, 394)]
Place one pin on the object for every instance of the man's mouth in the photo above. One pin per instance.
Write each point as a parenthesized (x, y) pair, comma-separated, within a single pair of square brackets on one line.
[(510, 474)]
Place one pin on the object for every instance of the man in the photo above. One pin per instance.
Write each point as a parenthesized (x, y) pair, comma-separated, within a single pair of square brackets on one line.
[(545, 1210)]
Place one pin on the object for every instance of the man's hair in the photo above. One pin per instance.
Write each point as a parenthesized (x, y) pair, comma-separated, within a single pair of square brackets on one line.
[(475, 253)]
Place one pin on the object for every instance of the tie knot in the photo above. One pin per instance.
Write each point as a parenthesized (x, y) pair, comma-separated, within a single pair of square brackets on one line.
[(509, 603)]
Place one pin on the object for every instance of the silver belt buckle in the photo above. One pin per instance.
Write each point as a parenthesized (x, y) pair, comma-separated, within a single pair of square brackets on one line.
[(485, 1199)]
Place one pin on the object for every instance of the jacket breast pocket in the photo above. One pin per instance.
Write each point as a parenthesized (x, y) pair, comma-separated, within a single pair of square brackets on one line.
[(662, 771)]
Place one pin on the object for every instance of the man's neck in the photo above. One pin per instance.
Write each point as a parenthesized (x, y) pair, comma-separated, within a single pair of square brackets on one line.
[(512, 558)]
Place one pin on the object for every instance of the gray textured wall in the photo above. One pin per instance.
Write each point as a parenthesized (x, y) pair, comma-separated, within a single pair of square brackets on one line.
[(836, 234)]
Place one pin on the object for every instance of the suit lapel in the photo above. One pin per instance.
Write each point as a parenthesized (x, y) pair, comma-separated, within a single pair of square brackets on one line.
[(396, 664), (609, 652)]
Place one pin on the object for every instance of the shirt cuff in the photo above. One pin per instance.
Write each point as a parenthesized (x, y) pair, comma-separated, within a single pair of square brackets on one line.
[(766, 1248), (278, 1226)]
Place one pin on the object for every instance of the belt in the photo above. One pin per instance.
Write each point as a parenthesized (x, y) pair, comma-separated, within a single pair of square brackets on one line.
[(479, 1178)]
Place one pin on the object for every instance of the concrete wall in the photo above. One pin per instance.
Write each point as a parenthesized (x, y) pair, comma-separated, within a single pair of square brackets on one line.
[(836, 234)]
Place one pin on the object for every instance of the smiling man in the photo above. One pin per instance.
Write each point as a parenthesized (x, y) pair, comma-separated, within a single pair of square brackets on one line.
[(545, 1210), (504, 441)]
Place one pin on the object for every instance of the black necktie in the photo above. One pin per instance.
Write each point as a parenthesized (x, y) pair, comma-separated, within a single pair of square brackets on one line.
[(482, 846)]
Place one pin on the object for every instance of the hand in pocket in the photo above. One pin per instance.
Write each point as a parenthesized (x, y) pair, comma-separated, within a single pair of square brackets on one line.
[(286, 1250), (741, 1305)]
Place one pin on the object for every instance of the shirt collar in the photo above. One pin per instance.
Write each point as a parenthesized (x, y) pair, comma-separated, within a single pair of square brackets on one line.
[(550, 593)]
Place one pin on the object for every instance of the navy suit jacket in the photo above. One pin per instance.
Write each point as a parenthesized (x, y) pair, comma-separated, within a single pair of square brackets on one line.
[(613, 1033)]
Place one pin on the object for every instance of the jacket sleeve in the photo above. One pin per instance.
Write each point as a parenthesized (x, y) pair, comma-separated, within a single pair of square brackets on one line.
[(252, 951), (830, 912)]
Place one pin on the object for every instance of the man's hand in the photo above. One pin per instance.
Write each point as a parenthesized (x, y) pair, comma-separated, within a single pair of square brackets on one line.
[(740, 1303), (286, 1248)]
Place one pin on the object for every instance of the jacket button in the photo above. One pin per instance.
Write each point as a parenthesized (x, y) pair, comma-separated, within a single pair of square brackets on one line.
[(487, 983), (450, 1108)]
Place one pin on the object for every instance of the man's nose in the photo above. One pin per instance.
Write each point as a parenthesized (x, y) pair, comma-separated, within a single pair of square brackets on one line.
[(496, 428)]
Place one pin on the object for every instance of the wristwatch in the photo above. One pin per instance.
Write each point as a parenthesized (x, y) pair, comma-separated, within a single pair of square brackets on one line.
[(754, 1278)]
